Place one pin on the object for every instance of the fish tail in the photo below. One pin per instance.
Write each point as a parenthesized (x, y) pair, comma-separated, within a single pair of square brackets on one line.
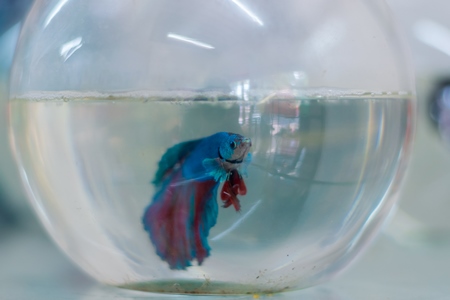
[(166, 220), (179, 219), (205, 217)]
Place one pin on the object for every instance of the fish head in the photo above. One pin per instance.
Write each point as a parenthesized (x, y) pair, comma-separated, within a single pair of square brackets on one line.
[(234, 148)]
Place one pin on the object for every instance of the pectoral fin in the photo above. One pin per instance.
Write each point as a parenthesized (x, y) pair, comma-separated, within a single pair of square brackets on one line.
[(213, 167)]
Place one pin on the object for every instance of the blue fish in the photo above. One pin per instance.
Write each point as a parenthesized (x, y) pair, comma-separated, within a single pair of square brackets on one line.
[(184, 207)]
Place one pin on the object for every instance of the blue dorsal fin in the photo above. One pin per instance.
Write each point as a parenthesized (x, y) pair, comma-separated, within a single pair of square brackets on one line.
[(173, 155)]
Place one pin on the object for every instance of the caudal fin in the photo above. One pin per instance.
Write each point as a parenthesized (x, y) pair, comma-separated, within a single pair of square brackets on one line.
[(179, 219)]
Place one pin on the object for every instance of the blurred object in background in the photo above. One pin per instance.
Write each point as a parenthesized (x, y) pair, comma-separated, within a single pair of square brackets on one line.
[(12, 12), (439, 110), (13, 206), (423, 214)]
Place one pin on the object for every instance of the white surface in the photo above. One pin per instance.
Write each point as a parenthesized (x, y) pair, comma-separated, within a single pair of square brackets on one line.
[(32, 268)]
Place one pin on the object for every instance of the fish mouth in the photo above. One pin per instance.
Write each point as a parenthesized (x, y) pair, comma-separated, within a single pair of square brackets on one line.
[(247, 141)]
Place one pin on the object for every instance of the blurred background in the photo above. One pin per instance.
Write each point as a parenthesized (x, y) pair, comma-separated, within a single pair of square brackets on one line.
[(14, 211), (422, 217), (421, 220)]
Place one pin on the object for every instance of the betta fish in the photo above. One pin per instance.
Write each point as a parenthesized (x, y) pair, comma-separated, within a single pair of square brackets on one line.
[(184, 207)]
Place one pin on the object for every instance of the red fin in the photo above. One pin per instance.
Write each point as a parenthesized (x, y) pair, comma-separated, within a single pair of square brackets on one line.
[(178, 230), (231, 188), (237, 183), (229, 197)]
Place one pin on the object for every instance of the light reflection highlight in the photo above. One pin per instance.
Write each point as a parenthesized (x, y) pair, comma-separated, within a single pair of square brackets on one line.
[(70, 47), (54, 12), (189, 40), (238, 222), (248, 12)]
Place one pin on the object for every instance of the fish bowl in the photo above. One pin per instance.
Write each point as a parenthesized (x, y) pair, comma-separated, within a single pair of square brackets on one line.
[(211, 147)]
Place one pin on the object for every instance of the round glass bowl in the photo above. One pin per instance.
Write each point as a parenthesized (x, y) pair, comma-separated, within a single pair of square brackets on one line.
[(132, 122)]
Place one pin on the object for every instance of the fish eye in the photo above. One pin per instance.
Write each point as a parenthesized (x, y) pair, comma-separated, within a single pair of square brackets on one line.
[(233, 145)]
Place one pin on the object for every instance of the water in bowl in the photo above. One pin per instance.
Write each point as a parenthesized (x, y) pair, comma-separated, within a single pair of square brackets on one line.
[(318, 185)]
